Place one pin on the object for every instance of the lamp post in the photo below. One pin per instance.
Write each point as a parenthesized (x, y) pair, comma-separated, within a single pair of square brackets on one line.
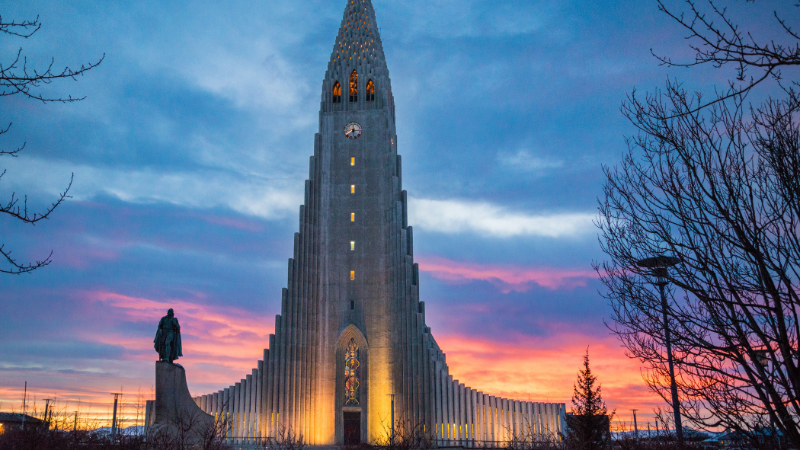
[(114, 419), (660, 266), (392, 437)]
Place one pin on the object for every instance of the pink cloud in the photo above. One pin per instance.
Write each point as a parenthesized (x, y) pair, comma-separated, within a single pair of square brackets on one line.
[(211, 335), (505, 277), (239, 223), (80, 258)]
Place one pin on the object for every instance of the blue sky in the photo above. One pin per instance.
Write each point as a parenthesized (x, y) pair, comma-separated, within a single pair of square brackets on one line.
[(191, 150)]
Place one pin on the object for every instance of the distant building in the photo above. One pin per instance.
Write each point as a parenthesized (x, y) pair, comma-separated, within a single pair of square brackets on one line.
[(14, 421), (603, 422), (739, 439)]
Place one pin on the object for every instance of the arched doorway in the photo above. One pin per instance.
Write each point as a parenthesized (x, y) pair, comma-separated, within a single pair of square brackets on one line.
[(352, 387)]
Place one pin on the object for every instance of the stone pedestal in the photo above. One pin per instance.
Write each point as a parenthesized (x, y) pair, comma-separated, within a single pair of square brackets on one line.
[(175, 411)]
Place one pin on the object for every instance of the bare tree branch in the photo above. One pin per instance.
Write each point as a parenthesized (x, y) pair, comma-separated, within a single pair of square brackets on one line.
[(13, 209), (12, 153), (16, 77), (24, 29), (721, 45), (20, 268)]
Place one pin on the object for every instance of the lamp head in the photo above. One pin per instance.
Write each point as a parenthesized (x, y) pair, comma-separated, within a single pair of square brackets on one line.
[(658, 262)]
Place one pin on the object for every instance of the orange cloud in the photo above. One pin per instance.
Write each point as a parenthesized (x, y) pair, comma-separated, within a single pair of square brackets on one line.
[(222, 344), (545, 369), (506, 278)]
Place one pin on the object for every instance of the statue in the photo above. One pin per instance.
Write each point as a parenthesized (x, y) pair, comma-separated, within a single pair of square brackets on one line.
[(168, 338)]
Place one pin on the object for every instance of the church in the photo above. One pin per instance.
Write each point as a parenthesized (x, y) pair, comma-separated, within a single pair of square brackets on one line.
[(351, 350)]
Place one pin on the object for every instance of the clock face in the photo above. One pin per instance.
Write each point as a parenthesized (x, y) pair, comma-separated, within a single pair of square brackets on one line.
[(352, 130)]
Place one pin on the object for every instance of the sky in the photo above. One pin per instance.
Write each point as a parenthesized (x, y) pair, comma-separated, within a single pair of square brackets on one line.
[(190, 152)]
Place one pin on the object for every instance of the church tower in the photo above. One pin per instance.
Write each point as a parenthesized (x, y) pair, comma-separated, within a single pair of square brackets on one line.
[(351, 339), (363, 278)]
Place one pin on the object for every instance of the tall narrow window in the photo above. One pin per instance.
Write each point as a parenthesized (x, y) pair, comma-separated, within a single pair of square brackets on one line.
[(352, 217), (351, 373), (352, 275), (352, 188), (370, 91), (354, 86), (352, 245), (353, 161), (337, 93)]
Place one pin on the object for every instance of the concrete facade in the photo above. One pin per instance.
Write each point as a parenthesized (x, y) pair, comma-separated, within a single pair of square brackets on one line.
[(173, 409), (353, 278)]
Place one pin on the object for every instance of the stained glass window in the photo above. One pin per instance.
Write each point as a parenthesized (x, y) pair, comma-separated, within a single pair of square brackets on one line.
[(354, 86), (337, 93), (351, 373), (370, 91)]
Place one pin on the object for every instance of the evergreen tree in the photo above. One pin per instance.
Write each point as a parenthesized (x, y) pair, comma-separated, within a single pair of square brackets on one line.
[(588, 427)]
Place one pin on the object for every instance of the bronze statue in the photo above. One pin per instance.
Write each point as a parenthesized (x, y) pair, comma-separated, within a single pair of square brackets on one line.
[(168, 338)]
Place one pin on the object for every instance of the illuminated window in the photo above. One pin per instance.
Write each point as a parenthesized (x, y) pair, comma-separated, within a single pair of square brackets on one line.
[(353, 161), (352, 217), (352, 275), (352, 188), (354, 86), (351, 373), (370, 91), (337, 93), (352, 245)]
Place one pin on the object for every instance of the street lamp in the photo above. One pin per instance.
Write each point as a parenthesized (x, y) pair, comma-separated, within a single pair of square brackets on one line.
[(660, 266)]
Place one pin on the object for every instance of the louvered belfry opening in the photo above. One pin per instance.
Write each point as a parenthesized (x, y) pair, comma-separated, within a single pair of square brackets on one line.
[(354, 87), (370, 91), (337, 93)]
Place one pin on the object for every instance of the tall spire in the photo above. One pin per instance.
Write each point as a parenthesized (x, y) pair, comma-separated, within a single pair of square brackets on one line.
[(358, 45)]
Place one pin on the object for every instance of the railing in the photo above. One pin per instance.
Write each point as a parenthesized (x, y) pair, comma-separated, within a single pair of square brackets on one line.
[(479, 443)]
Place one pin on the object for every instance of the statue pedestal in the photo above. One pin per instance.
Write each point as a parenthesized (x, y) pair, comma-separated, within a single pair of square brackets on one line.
[(175, 411)]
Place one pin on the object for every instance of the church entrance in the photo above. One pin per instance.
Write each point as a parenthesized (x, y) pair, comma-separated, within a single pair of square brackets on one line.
[(352, 428)]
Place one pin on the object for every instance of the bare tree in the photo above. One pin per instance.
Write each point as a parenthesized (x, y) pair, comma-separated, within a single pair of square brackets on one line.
[(17, 78), (527, 437), (216, 436), (405, 435), (286, 439), (715, 183)]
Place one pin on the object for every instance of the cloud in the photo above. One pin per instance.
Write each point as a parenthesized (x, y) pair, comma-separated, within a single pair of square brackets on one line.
[(470, 18), (507, 278), (269, 82), (523, 161), (273, 197), (455, 216)]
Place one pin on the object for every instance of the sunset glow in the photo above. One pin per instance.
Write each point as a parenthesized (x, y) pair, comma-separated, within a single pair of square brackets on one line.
[(190, 155)]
